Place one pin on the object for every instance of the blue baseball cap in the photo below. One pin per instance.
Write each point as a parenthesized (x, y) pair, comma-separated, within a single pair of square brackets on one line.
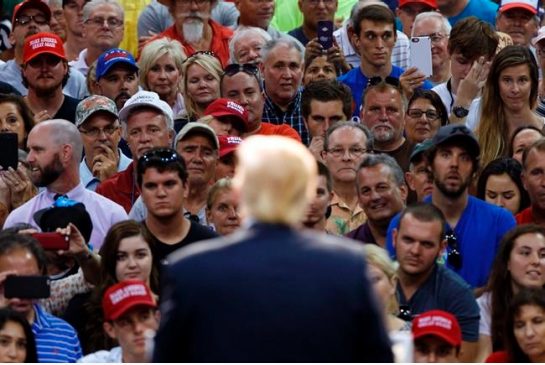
[(111, 58)]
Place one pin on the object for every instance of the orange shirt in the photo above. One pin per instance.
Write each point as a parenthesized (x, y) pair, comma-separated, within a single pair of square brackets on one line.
[(219, 45), (269, 129)]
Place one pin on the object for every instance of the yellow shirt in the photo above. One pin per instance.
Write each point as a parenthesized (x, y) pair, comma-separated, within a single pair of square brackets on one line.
[(342, 219), (133, 8)]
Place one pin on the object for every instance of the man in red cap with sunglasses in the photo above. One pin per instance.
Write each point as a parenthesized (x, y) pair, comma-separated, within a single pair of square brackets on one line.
[(45, 71)]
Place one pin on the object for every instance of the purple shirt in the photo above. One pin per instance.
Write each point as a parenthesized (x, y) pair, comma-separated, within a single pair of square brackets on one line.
[(104, 212)]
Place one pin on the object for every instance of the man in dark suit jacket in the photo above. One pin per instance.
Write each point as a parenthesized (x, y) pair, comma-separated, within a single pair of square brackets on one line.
[(271, 293)]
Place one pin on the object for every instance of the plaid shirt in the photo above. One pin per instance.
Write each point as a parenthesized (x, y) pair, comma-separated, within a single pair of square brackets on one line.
[(292, 116)]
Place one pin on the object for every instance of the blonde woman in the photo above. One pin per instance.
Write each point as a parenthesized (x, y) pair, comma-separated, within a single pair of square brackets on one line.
[(161, 71), (508, 102), (201, 85)]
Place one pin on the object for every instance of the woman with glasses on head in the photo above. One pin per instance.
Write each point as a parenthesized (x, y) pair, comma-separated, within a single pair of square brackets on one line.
[(508, 102), (425, 114), (500, 184), (17, 342), (519, 263), (160, 66), (201, 86)]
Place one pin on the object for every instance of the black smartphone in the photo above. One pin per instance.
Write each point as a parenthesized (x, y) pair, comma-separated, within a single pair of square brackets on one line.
[(27, 287), (9, 154), (52, 241), (325, 33)]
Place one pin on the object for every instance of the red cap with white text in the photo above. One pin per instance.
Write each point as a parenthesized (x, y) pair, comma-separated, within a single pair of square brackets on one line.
[(124, 296), (41, 43), (437, 323)]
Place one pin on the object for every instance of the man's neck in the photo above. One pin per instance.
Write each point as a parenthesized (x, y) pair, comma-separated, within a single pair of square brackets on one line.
[(379, 229), (317, 226), (92, 55), (452, 10), (51, 102), (196, 197), (410, 283), (346, 192), (389, 146), (538, 215), (283, 104), (370, 70), (441, 73), (169, 230), (74, 45), (253, 127), (452, 208), (68, 181), (309, 31), (519, 118), (127, 357), (18, 55)]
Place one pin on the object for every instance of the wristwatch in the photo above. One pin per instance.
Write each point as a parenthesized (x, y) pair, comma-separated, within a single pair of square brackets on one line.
[(460, 111)]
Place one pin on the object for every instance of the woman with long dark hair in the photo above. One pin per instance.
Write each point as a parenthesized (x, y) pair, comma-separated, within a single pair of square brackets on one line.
[(17, 343)]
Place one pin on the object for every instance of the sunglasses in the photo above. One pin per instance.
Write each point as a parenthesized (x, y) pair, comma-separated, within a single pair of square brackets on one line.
[(235, 68), (25, 19), (163, 156), (373, 81), (49, 60), (454, 256), (207, 53)]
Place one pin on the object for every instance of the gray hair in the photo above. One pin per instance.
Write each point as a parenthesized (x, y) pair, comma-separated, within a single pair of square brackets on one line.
[(445, 25), (372, 160), (286, 40), (90, 7), (369, 136), (64, 132), (240, 34)]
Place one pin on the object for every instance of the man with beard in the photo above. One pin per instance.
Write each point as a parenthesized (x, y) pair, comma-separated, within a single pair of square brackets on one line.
[(97, 121), (117, 76), (45, 71), (383, 112), (194, 28), (382, 194), (55, 151), (474, 227), (148, 123), (423, 284), (103, 29), (31, 17)]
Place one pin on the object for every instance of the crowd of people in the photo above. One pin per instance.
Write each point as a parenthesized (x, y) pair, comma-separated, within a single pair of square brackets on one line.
[(191, 181)]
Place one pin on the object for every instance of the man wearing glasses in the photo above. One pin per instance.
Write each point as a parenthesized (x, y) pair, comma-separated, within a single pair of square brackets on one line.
[(195, 29), (103, 29), (44, 72), (97, 121), (313, 11), (425, 285), (31, 17), (474, 227)]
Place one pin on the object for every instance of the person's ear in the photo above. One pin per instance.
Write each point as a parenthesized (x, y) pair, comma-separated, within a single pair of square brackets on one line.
[(409, 178), (404, 192), (109, 329)]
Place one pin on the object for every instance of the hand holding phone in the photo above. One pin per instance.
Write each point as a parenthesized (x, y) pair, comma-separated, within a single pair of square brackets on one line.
[(421, 55)]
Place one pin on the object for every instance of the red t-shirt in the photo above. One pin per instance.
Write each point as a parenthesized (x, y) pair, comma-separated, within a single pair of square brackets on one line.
[(498, 357), (219, 45), (525, 217), (121, 188)]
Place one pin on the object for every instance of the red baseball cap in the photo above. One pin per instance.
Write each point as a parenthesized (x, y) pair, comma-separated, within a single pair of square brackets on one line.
[(224, 107), (36, 4), (124, 296), (530, 5), (437, 323), (430, 3), (41, 43), (228, 144)]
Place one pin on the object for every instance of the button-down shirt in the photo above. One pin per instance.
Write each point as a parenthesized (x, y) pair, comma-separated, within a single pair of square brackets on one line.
[(291, 116), (104, 212), (76, 87), (343, 219), (80, 64), (90, 181)]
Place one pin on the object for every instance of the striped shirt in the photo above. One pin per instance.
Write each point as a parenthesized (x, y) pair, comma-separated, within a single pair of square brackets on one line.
[(292, 116), (56, 340)]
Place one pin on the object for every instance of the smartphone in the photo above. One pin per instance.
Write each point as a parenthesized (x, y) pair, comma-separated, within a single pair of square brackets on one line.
[(27, 287), (325, 33), (421, 55), (52, 240), (9, 154)]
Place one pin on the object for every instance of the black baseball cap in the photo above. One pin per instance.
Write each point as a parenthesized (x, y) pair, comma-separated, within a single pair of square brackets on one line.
[(460, 135)]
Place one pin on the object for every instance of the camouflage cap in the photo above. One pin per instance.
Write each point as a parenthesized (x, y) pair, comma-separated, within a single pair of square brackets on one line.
[(93, 104)]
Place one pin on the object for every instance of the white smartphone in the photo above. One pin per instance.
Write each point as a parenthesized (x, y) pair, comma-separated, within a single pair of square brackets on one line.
[(421, 55)]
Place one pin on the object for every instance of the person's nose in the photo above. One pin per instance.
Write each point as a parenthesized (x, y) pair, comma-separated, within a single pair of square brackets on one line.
[(499, 201), (131, 261), (432, 357), (12, 350)]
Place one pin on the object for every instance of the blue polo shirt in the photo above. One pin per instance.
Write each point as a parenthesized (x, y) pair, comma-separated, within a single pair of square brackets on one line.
[(483, 9), (357, 82), (479, 232), (56, 340), (445, 290)]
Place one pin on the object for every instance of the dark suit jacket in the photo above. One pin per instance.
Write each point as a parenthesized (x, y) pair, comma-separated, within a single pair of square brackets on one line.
[(270, 294)]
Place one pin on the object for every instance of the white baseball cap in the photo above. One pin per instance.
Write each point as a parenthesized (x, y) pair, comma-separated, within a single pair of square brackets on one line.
[(539, 37), (148, 99)]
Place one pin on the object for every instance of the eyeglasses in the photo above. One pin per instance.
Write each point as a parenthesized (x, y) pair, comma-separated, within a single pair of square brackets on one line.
[(316, 2), (339, 152), (373, 81), (99, 22), (235, 68), (95, 132), (49, 60), (165, 155), (418, 113), (25, 19), (454, 256), (435, 37)]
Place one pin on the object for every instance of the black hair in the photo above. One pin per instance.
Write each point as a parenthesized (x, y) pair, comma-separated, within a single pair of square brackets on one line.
[(162, 159), (10, 241), (324, 91), (9, 315)]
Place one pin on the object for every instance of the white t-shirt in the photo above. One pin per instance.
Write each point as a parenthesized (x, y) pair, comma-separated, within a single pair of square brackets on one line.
[(474, 116), (485, 322), (103, 356)]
